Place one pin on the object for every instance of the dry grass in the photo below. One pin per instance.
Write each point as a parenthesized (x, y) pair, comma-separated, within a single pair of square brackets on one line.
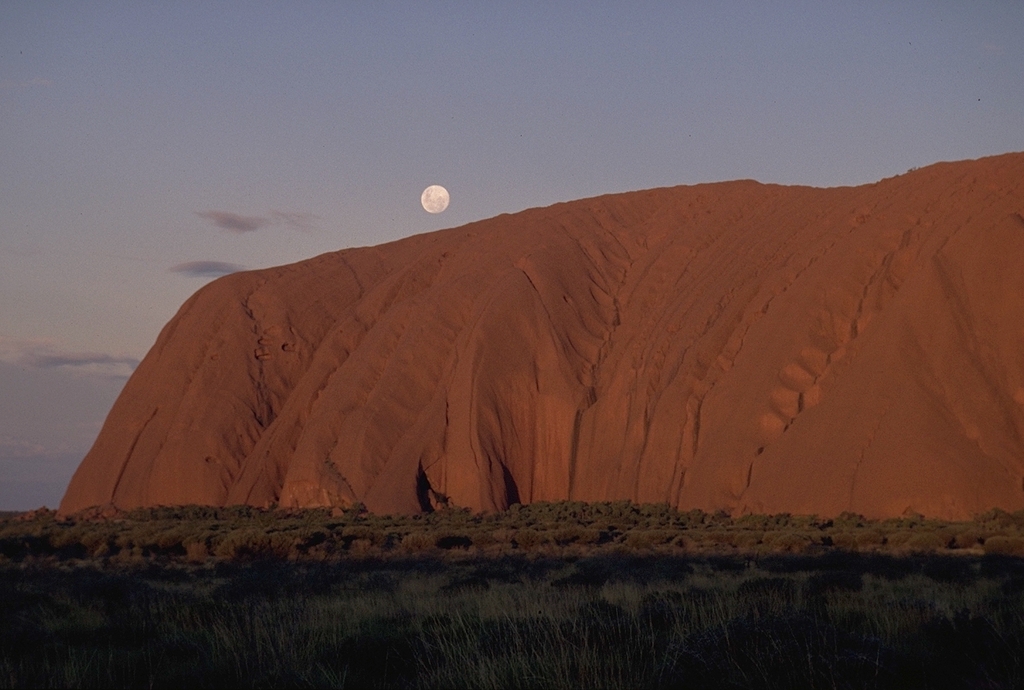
[(547, 595), (614, 619)]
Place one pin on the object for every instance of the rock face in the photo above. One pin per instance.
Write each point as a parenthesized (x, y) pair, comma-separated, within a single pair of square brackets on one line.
[(737, 346)]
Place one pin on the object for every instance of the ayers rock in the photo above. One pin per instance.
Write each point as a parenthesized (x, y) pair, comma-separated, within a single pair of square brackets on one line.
[(736, 346)]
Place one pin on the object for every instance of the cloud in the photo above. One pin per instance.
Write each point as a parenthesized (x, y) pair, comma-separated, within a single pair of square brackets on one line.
[(49, 360), (233, 221), (299, 221), (13, 448), (42, 354), (206, 269)]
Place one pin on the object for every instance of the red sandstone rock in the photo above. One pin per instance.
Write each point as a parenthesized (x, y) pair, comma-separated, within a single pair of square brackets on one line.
[(736, 346)]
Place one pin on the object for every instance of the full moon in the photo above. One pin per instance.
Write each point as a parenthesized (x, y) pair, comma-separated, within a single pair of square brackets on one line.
[(434, 199)]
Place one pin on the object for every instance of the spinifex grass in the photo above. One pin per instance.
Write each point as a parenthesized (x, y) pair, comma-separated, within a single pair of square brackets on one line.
[(836, 620), (547, 595)]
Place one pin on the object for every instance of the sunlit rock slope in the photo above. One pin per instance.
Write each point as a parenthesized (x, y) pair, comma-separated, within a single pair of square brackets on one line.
[(737, 346)]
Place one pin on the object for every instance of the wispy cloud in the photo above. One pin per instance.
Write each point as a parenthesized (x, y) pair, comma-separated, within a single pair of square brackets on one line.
[(43, 354), (234, 222), (299, 221), (50, 360), (13, 448), (206, 269)]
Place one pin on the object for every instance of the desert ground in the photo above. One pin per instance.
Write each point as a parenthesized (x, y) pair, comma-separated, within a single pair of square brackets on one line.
[(549, 595)]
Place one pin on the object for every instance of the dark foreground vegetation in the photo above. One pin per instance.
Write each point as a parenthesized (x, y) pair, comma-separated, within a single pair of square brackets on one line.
[(550, 595)]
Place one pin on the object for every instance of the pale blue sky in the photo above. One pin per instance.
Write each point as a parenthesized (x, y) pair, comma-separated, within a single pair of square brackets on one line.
[(134, 136)]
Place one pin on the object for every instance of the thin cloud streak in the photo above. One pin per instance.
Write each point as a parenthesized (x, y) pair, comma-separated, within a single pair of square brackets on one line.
[(206, 269), (299, 221), (234, 222), (38, 354), (48, 360), (18, 449)]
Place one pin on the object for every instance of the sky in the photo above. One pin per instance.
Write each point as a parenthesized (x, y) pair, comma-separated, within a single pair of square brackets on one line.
[(148, 147)]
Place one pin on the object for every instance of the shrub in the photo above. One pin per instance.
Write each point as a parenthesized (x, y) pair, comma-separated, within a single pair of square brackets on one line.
[(353, 533), (694, 518), (96, 541), (501, 536), (639, 539), (65, 538), (1004, 546), (848, 519), (643, 539), (719, 537), (196, 551), (528, 538), (560, 534), (575, 535), (682, 541), (755, 521), (419, 541), (132, 556), (747, 540), (869, 538), (252, 543), (482, 538), (997, 517), (588, 535), (844, 539), (967, 538), (925, 542), (171, 540), (786, 541)]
